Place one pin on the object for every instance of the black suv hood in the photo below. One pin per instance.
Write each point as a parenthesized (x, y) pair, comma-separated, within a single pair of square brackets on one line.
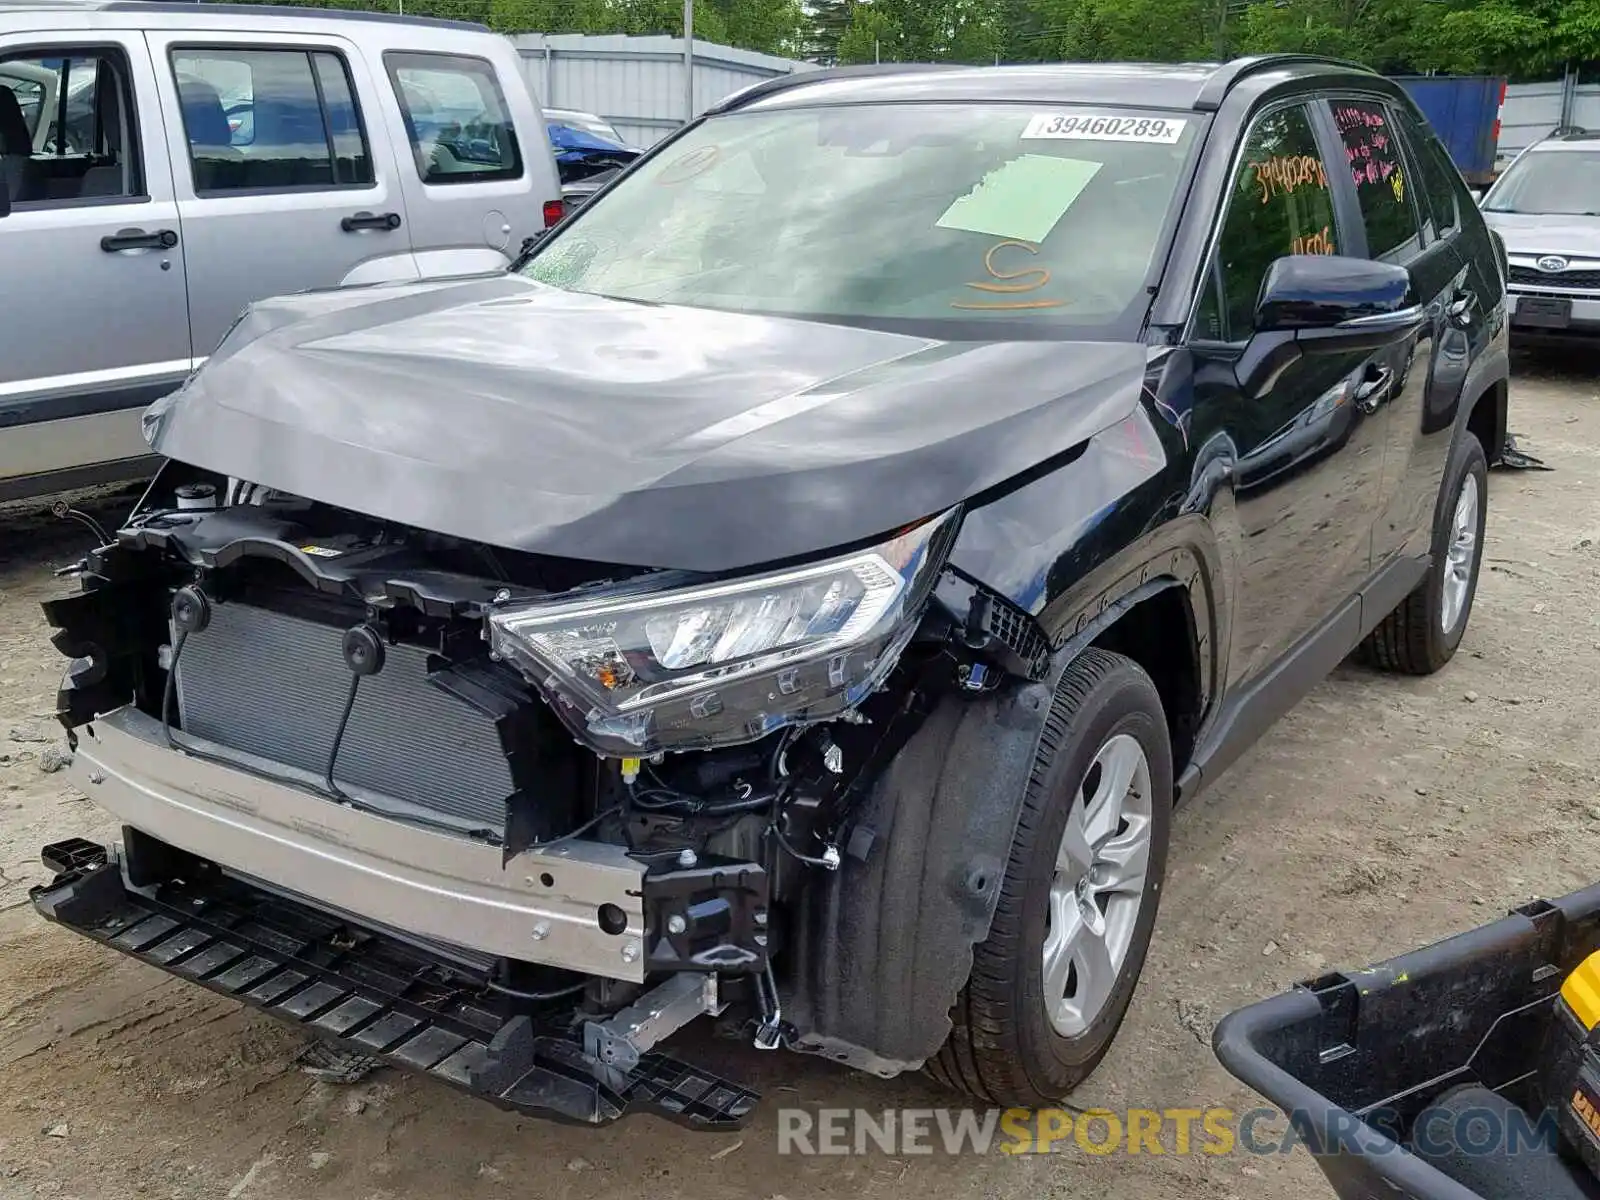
[(530, 418)]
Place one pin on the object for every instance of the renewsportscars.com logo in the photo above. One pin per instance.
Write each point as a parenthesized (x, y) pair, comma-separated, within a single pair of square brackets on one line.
[(1167, 1131)]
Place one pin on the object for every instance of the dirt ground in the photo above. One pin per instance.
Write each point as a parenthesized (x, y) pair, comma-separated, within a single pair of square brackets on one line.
[(1380, 815)]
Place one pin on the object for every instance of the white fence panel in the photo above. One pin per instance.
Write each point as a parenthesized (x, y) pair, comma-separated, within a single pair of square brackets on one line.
[(637, 83), (1534, 110)]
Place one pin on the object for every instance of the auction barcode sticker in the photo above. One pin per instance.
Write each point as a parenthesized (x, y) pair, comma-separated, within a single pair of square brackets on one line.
[(1100, 127)]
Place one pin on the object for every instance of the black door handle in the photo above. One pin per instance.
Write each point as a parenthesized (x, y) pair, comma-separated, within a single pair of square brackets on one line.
[(367, 220), (1373, 389), (1461, 306), (138, 239)]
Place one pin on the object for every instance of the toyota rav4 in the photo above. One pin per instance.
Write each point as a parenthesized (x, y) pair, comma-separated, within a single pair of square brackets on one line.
[(802, 586)]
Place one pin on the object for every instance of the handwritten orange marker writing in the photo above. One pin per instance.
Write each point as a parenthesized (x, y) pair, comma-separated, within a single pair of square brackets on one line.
[(1314, 243), (1281, 175), (1023, 280)]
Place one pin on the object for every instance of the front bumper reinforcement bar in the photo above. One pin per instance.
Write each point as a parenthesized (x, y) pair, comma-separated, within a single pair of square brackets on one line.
[(542, 906)]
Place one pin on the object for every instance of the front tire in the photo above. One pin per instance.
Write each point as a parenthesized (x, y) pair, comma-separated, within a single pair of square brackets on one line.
[(1052, 982), (1422, 634)]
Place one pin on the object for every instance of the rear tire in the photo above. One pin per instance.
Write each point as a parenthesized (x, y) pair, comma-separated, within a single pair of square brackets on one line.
[(1422, 634), (1012, 1044)]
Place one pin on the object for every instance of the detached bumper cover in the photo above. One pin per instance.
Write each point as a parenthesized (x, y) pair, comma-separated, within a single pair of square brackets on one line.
[(369, 994)]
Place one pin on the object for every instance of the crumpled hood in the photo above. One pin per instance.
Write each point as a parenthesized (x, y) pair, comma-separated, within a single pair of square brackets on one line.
[(1570, 237), (530, 418)]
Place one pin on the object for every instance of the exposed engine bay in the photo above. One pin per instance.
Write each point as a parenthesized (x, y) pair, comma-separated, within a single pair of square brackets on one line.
[(593, 800)]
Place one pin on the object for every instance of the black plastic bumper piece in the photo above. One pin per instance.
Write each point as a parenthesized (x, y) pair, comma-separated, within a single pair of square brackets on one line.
[(369, 994)]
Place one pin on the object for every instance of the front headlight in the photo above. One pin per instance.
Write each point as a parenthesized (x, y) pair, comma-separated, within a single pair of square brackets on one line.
[(644, 668)]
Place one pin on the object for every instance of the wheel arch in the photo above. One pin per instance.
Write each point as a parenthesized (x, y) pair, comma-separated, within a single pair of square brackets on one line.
[(1487, 418), (1156, 626), (1164, 603)]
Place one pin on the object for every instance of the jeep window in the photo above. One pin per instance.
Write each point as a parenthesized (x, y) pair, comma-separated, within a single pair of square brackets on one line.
[(1280, 203), (270, 120), (67, 129), (455, 117), (1553, 182), (896, 215), (1383, 187)]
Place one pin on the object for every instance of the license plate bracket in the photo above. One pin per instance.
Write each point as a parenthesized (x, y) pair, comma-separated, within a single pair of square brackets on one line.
[(1551, 312)]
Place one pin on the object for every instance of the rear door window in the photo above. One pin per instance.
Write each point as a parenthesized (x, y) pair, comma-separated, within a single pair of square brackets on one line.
[(456, 117), (1384, 188), (1440, 180), (260, 119)]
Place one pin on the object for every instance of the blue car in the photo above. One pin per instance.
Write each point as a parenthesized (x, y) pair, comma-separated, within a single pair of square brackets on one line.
[(589, 152)]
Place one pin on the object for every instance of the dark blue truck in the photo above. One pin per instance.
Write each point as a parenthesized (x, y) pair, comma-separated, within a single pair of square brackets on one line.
[(1465, 111)]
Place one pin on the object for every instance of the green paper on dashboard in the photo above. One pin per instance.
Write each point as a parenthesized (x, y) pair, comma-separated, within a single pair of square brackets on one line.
[(1022, 199)]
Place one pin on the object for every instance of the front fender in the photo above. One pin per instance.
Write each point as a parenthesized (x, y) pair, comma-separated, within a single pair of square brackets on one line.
[(1183, 553), (881, 949)]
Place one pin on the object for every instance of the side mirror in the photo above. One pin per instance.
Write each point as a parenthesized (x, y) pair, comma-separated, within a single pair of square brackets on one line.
[(1324, 304), (1323, 292)]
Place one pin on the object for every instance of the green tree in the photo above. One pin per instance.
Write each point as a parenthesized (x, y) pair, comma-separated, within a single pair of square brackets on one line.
[(871, 33), (1512, 37), (770, 26), (1381, 33), (547, 16), (1515, 37), (827, 24), (967, 31), (1520, 38), (1101, 30)]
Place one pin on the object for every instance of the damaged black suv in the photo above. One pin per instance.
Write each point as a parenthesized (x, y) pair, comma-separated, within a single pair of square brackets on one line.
[(802, 587)]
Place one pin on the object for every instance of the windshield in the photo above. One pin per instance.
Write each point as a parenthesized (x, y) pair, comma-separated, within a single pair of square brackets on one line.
[(1557, 182), (889, 213)]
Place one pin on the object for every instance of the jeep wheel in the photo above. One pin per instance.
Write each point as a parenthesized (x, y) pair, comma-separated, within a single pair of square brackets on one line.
[(1052, 982), (1422, 634)]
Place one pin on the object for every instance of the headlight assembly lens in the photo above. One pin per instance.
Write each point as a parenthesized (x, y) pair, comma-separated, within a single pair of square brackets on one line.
[(654, 667), (806, 611)]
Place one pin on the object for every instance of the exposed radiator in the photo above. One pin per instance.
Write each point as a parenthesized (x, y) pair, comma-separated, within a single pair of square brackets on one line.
[(274, 686)]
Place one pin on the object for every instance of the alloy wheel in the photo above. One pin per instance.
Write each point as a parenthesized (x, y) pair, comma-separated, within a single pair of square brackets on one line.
[(1460, 556), (1098, 885)]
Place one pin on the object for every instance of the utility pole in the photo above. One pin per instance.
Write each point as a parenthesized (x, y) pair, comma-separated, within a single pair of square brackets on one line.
[(688, 60)]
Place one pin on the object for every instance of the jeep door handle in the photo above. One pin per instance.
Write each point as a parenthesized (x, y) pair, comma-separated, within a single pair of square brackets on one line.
[(1460, 308), (1373, 389), (357, 222), (138, 239)]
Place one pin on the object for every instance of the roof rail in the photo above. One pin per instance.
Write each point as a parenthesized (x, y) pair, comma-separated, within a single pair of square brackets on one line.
[(782, 83), (1222, 80)]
